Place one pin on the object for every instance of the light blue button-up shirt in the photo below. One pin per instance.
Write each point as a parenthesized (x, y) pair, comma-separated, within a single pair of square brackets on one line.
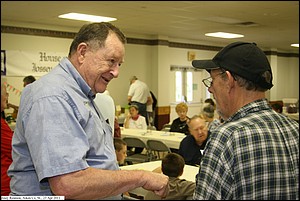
[(58, 131)]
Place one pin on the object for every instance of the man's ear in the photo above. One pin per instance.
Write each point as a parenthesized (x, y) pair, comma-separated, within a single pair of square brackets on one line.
[(81, 51), (230, 77), (231, 82)]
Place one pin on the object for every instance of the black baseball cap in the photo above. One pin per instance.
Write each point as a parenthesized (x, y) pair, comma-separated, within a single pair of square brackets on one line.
[(243, 59)]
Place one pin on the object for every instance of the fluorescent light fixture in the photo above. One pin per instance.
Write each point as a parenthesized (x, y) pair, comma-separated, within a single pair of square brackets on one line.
[(295, 45), (224, 35), (85, 17)]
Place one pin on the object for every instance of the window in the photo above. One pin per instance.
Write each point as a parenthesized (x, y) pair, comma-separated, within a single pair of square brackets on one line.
[(183, 84), (189, 86), (178, 86), (187, 83)]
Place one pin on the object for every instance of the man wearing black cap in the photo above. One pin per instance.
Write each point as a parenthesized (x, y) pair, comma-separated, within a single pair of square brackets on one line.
[(254, 154)]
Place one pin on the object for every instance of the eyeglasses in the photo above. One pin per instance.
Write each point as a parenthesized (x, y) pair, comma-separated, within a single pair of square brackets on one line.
[(209, 81)]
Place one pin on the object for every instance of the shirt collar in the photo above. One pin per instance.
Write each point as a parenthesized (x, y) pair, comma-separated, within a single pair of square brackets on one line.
[(69, 67), (255, 106)]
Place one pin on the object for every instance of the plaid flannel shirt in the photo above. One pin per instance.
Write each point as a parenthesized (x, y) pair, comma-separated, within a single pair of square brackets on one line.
[(254, 155)]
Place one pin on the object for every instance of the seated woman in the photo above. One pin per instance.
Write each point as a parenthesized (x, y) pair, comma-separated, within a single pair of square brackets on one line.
[(136, 121), (180, 124)]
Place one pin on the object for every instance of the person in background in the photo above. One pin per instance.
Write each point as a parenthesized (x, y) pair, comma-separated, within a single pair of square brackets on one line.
[(172, 165), (62, 145), (139, 94), (180, 124), (117, 129), (121, 154), (134, 119), (6, 139), (106, 106), (191, 145), (121, 150), (151, 109), (211, 102), (254, 154), (208, 112), (3, 114), (277, 107), (15, 108), (28, 80)]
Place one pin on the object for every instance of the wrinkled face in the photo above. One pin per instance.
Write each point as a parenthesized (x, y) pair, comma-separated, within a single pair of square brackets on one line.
[(182, 113), (133, 112), (121, 155), (99, 66), (4, 98), (198, 129), (219, 90)]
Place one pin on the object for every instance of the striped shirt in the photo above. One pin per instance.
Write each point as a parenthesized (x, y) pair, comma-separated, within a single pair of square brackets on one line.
[(254, 155)]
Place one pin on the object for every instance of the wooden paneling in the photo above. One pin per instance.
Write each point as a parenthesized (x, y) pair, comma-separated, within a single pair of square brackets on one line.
[(162, 116), (163, 110)]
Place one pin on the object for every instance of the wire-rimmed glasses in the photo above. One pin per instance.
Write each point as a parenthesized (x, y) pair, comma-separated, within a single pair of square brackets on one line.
[(209, 81)]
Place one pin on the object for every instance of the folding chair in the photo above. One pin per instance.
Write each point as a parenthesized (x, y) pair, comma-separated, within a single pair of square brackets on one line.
[(137, 157), (158, 149)]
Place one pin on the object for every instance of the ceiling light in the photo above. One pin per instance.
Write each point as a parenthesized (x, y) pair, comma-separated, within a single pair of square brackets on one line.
[(224, 35), (295, 45), (85, 17)]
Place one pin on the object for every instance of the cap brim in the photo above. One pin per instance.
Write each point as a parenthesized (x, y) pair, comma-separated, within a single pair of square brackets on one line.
[(204, 64)]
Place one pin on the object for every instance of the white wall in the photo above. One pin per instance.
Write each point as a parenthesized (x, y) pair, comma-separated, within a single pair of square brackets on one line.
[(138, 62), (152, 65), (29, 43), (287, 80)]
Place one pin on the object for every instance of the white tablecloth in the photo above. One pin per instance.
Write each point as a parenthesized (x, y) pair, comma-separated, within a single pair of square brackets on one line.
[(294, 116), (189, 173)]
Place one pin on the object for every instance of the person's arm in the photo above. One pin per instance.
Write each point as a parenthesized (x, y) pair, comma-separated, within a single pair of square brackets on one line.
[(129, 99), (149, 100), (93, 183), (126, 121), (16, 110), (143, 122), (130, 93), (10, 105)]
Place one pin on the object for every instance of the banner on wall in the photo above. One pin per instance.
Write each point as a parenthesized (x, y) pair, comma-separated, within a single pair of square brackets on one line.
[(23, 63), (13, 89)]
